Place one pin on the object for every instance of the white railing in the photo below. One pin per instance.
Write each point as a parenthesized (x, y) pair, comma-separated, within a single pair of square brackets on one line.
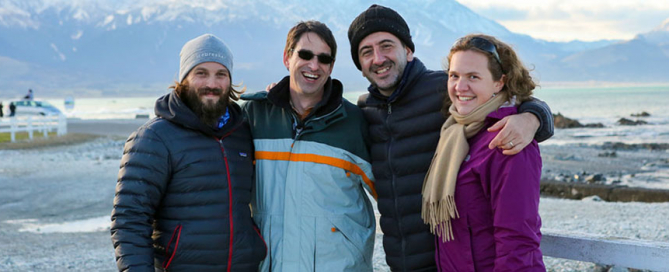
[(601, 249), (31, 124), (606, 250)]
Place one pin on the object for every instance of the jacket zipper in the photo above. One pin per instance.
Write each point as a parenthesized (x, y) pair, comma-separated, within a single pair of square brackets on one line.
[(394, 186), (298, 132), (232, 229), (177, 232)]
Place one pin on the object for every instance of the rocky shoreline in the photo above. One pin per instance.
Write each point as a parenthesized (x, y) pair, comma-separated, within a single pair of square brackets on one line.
[(601, 192), (65, 183), (614, 164)]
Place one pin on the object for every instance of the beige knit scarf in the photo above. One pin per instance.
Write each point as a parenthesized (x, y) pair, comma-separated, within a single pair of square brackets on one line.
[(439, 185)]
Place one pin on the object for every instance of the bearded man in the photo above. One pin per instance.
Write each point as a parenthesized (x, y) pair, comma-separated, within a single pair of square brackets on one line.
[(184, 185)]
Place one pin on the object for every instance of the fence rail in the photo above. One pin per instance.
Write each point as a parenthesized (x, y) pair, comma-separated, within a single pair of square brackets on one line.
[(32, 124), (606, 250), (600, 249)]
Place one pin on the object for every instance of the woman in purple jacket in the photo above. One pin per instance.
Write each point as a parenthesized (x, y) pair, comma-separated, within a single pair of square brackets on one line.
[(483, 205)]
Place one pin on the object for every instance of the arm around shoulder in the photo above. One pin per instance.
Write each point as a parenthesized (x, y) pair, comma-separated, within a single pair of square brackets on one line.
[(543, 113)]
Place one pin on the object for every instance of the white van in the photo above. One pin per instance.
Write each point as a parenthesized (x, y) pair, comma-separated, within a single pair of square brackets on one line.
[(32, 107)]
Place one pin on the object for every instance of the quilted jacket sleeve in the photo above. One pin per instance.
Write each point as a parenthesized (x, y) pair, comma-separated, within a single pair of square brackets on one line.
[(541, 110), (142, 180)]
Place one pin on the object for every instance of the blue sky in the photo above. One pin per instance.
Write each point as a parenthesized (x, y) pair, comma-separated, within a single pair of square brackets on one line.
[(566, 20)]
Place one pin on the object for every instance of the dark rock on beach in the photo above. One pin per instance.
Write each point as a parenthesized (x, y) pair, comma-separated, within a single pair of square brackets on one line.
[(628, 122), (595, 178), (561, 121), (624, 146), (564, 122), (576, 190), (641, 114), (608, 154)]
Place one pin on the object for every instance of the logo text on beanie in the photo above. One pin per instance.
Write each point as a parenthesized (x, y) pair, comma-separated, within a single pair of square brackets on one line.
[(209, 54)]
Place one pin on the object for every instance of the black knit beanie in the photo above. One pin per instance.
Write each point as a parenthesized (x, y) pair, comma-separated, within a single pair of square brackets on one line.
[(377, 19)]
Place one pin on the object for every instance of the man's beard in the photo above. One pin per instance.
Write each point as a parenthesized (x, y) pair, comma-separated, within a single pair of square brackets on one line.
[(395, 82), (209, 113)]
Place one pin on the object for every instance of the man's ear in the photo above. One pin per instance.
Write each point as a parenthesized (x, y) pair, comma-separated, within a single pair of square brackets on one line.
[(286, 59), (409, 54)]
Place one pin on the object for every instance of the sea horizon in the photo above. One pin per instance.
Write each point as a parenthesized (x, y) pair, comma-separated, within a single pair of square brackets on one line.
[(586, 104)]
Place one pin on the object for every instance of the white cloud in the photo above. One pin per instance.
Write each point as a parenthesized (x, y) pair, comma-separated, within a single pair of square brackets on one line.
[(60, 55), (147, 12), (81, 15), (13, 15), (563, 20), (77, 35), (108, 20)]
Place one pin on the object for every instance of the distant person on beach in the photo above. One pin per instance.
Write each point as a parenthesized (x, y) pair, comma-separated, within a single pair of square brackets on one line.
[(1, 110), (403, 109), (29, 95), (482, 205), (184, 186), (312, 163), (12, 109)]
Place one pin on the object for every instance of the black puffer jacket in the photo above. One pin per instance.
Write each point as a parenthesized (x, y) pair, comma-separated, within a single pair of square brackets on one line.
[(404, 130), (174, 209)]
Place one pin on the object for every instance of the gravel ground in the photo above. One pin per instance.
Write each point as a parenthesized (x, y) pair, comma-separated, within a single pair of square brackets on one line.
[(633, 167), (76, 182)]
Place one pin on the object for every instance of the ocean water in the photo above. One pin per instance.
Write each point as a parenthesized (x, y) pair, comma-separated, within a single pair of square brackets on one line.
[(107, 108), (604, 105), (607, 106)]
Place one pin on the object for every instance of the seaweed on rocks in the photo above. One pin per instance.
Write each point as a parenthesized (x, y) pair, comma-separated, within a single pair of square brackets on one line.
[(624, 146)]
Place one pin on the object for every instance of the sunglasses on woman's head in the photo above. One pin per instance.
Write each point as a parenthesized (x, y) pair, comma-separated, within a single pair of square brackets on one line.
[(485, 45), (308, 55)]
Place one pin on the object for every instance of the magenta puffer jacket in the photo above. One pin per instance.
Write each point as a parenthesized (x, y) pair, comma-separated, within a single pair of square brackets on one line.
[(497, 197)]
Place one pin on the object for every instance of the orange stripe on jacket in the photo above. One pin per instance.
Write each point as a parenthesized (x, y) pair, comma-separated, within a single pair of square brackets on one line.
[(343, 164)]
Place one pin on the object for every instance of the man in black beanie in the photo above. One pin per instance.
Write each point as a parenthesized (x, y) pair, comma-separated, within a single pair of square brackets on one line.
[(403, 109)]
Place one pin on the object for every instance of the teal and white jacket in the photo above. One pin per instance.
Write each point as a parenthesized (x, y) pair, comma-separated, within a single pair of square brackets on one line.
[(311, 176)]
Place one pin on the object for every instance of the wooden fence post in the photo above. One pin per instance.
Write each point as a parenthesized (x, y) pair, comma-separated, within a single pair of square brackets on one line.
[(12, 128)]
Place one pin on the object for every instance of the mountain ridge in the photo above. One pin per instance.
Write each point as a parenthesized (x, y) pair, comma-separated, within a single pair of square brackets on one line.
[(110, 47)]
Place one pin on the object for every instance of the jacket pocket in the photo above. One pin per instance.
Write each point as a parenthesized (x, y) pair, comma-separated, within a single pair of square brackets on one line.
[(262, 239), (263, 225), (343, 245), (170, 256)]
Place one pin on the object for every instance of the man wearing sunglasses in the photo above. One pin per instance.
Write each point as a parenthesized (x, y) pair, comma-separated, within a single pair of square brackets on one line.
[(312, 163), (403, 109)]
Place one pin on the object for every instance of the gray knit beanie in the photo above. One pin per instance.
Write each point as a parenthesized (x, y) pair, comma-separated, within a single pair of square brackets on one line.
[(206, 48)]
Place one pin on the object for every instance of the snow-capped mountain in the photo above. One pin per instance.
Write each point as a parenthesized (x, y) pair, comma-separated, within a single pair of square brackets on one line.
[(131, 47), (642, 59)]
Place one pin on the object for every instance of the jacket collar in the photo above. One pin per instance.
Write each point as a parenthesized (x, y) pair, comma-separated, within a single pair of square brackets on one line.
[(171, 108), (410, 77), (332, 97), (503, 111)]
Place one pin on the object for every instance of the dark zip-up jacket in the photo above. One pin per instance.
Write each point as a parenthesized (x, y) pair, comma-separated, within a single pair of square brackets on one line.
[(174, 208), (404, 131)]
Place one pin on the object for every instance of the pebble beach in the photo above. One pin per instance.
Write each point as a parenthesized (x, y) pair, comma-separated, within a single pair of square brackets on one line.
[(55, 201)]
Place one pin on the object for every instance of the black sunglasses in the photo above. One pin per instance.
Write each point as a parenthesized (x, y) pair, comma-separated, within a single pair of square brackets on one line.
[(485, 45), (308, 55)]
